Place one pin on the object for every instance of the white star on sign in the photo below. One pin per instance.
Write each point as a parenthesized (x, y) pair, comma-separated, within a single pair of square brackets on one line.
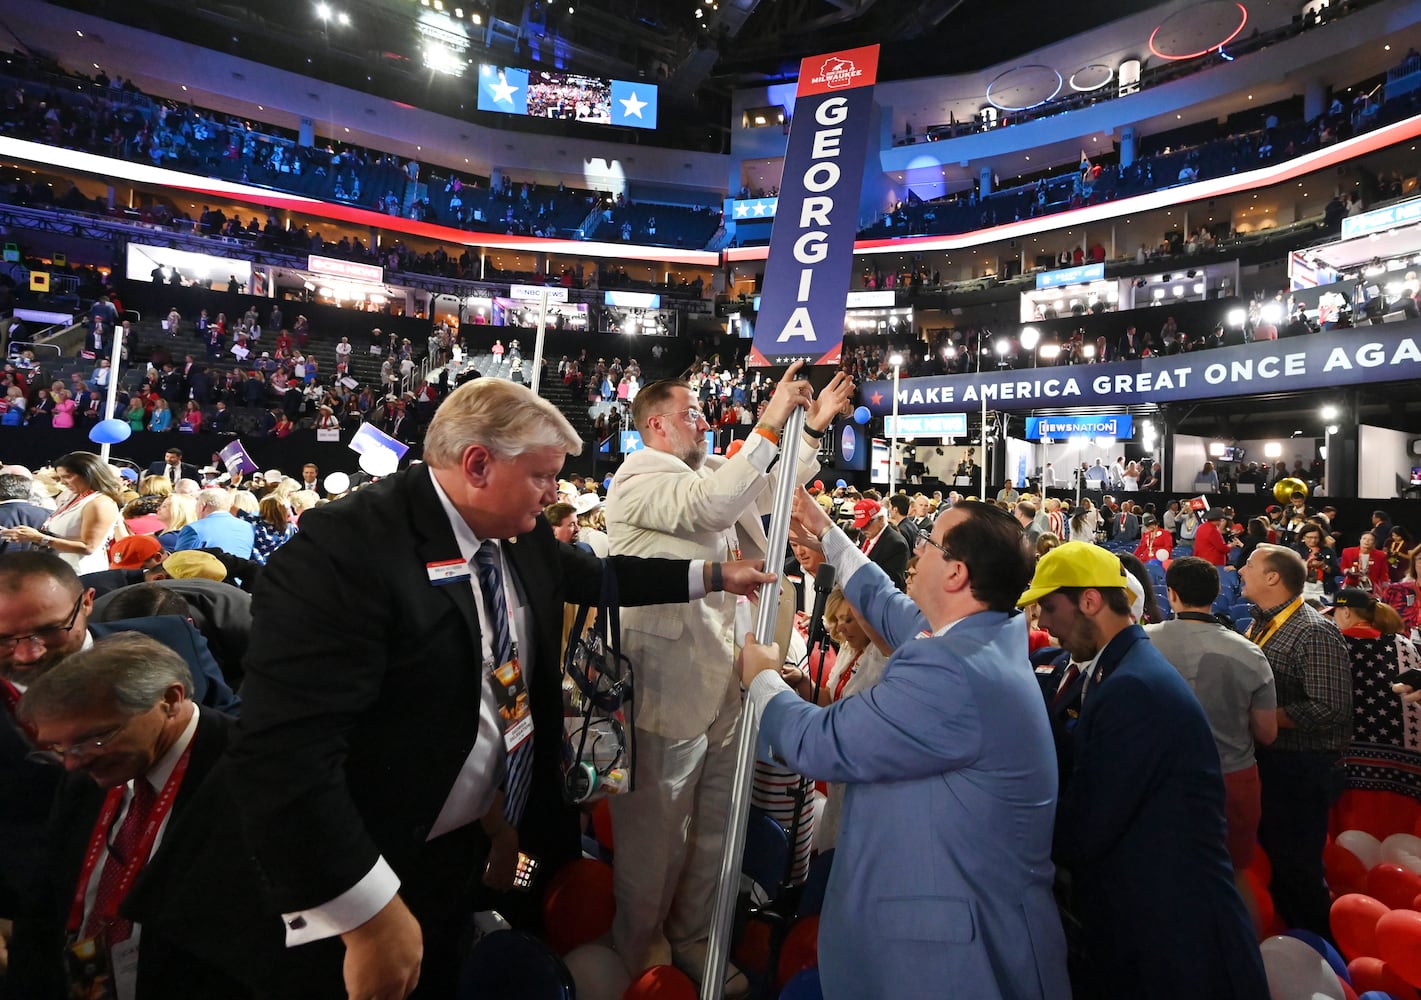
[(502, 91), (759, 208), (741, 211), (631, 107)]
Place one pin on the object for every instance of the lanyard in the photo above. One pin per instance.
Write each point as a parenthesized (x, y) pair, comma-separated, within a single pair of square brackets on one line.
[(78, 499), (9, 696), (132, 865), (1273, 626)]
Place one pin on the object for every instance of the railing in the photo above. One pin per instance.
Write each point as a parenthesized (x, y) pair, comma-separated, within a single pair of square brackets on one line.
[(36, 344), (1153, 76)]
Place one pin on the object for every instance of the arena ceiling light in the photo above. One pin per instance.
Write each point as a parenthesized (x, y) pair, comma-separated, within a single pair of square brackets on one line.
[(1022, 88), (1091, 77), (1193, 30)]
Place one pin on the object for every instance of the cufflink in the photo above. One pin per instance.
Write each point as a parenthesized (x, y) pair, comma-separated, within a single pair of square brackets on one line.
[(296, 923)]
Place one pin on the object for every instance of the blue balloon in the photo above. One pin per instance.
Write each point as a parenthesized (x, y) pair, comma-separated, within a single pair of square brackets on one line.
[(862, 415), (1376, 995), (841, 484), (110, 431), (1320, 945)]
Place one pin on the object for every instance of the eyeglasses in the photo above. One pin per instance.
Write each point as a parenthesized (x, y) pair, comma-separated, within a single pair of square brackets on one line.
[(695, 415), (925, 540), (87, 750), (44, 636)]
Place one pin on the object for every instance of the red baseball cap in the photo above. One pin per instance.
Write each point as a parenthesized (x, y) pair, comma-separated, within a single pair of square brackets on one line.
[(132, 552), (865, 511)]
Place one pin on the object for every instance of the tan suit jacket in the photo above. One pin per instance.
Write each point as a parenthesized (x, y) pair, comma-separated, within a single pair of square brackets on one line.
[(683, 655)]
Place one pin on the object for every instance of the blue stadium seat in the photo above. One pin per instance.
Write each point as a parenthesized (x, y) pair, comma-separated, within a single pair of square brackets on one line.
[(514, 964)]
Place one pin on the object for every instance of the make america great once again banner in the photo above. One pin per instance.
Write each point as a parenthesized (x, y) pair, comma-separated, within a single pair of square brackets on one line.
[(1370, 355)]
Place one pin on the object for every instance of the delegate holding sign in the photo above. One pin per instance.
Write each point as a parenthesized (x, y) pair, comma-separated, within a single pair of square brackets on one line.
[(1369, 355), (812, 242)]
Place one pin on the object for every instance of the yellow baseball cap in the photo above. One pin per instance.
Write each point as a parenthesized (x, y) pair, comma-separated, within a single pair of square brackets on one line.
[(192, 563), (1075, 564)]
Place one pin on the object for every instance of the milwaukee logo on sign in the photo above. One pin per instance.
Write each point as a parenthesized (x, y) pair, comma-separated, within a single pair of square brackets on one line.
[(838, 71)]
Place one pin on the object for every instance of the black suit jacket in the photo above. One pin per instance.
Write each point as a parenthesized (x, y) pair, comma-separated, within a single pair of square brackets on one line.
[(188, 470), (165, 969), (890, 553), (361, 703)]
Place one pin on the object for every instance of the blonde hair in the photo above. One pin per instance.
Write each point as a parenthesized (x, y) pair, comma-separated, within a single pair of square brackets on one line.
[(832, 606), (155, 486), (504, 417), (304, 500), (245, 501), (182, 511)]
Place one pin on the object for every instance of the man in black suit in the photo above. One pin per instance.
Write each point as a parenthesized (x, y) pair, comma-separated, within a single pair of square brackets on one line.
[(1132, 345), (172, 467), (311, 479), (380, 786), (44, 615), (119, 718), (882, 543)]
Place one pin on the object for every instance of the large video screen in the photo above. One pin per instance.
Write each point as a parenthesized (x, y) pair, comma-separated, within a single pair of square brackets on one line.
[(566, 96)]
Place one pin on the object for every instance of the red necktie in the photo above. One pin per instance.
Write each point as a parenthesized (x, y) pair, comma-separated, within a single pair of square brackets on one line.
[(1072, 673), (120, 853)]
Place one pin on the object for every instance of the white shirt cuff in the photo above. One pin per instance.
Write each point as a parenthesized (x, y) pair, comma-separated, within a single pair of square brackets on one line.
[(766, 686), (846, 558), (696, 580), (760, 452), (347, 911)]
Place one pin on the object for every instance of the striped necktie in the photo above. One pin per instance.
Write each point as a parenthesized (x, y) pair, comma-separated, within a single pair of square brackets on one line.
[(520, 761)]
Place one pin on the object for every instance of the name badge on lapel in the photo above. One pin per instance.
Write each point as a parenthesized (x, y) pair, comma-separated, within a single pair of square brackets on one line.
[(447, 571)]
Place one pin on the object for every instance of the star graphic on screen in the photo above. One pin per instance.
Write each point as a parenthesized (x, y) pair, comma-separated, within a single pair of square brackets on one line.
[(631, 107), (502, 91), (759, 208), (741, 211), (877, 398)]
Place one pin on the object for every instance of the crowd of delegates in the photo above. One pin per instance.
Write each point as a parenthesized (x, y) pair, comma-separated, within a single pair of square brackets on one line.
[(113, 118), (1050, 793), (282, 383)]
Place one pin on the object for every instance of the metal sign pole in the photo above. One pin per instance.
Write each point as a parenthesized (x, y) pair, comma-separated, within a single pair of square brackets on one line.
[(538, 345), (114, 356), (728, 886)]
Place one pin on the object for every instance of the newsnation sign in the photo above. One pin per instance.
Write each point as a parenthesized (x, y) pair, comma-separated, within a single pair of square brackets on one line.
[(1370, 355)]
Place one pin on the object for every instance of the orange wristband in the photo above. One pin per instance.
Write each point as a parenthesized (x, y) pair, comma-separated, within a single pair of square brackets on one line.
[(768, 435)]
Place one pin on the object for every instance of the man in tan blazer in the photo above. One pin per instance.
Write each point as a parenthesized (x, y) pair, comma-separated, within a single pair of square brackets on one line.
[(672, 499)]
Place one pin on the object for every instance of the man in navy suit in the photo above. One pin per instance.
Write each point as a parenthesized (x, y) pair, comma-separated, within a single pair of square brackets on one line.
[(16, 509), (1141, 821), (941, 881)]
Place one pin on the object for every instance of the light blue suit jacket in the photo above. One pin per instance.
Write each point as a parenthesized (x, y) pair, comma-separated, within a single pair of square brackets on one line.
[(218, 530), (941, 884)]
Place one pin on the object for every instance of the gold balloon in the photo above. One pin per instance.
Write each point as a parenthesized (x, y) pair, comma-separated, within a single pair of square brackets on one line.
[(1285, 489)]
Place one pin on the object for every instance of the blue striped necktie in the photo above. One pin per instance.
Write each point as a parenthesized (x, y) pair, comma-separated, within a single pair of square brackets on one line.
[(520, 761)]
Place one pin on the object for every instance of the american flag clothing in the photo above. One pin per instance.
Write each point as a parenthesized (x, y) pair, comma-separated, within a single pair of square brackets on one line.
[(1385, 752)]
